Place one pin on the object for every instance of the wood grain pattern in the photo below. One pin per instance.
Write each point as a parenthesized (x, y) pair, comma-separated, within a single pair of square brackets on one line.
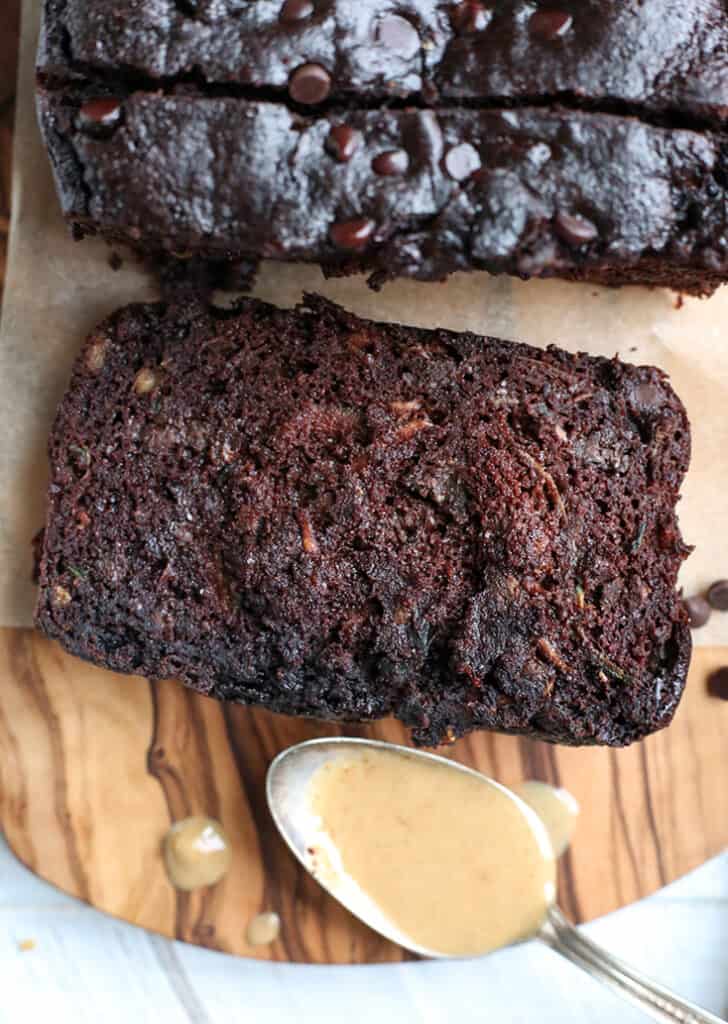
[(94, 767)]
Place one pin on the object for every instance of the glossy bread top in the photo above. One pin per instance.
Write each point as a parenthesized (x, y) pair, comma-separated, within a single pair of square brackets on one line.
[(664, 58)]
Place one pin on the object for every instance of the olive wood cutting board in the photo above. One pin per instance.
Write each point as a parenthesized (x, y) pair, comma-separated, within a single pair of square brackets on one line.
[(94, 767)]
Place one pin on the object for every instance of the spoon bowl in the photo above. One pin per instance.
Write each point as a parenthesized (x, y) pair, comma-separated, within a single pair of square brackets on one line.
[(288, 788), (289, 794)]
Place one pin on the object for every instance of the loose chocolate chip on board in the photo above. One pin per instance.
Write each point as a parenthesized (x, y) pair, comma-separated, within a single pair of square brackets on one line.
[(698, 611), (309, 84), (718, 683), (352, 234), (550, 25), (718, 595), (392, 163)]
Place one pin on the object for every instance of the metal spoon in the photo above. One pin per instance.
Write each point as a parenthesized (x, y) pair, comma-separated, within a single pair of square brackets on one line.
[(289, 776)]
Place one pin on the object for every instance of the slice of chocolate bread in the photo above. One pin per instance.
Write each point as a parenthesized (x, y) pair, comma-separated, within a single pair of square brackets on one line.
[(585, 141), (660, 58), (402, 193), (331, 517)]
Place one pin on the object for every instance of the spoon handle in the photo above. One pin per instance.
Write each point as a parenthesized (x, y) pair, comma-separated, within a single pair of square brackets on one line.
[(658, 1002)]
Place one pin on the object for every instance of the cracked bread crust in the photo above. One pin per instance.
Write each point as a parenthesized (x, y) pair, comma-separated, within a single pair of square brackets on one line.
[(330, 517)]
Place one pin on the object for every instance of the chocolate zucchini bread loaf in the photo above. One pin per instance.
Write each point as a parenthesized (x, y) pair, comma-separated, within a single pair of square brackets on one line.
[(414, 139), (331, 517)]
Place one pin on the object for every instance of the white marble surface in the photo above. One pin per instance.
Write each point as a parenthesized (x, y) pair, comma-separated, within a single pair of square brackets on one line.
[(87, 968)]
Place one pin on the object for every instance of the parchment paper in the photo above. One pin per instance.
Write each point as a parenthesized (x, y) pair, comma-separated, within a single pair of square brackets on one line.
[(56, 290)]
